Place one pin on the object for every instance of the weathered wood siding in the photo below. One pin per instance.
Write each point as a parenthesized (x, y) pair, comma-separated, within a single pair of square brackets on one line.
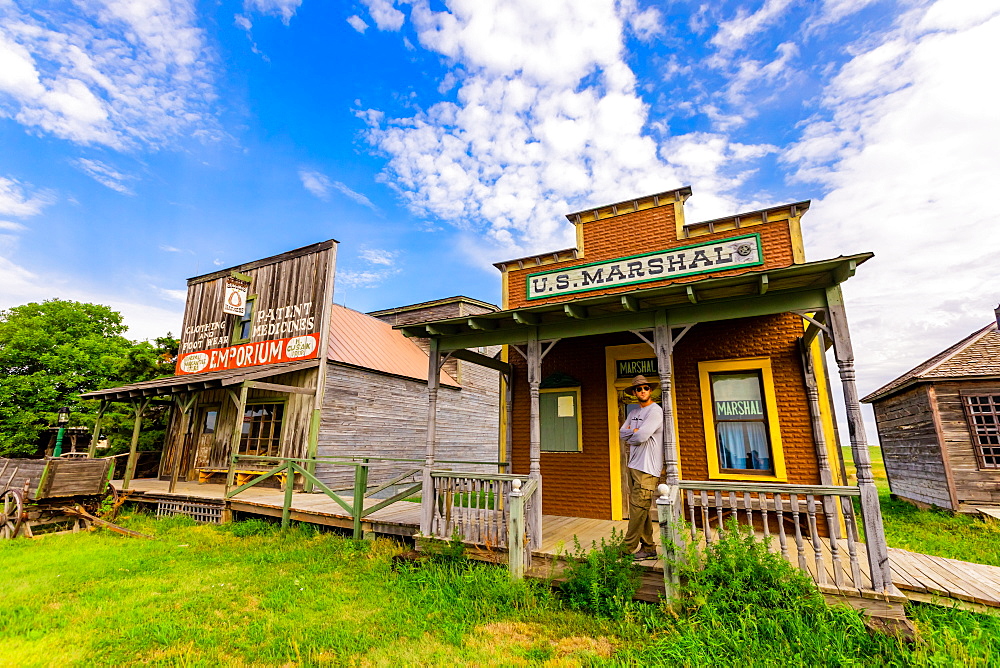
[(972, 485), (294, 428), (289, 287), (371, 414), (910, 448)]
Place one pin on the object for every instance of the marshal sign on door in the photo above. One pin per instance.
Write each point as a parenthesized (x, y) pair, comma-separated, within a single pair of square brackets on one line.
[(236, 296)]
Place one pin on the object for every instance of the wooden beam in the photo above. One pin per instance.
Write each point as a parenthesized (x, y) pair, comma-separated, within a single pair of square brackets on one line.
[(482, 324), (525, 318), (482, 360), (630, 303), (844, 271), (275, 387), (441, 330), (575, 311), (414, 331), (692, 297), (762, 285)]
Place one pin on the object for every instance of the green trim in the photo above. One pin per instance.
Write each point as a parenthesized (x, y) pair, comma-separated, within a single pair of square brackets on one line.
[(243, 277), (233, 340), (760, 251)]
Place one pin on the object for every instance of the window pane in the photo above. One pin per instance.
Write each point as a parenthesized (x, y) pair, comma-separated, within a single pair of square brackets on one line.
[(210, 418), (741, 422)]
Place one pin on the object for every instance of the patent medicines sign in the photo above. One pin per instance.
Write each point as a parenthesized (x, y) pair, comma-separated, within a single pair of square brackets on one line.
[(736, 252), (293, 349)]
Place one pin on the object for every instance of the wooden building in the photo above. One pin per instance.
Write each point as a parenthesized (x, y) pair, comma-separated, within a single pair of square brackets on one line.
[(939, 426), (270, 368), (730, 318)]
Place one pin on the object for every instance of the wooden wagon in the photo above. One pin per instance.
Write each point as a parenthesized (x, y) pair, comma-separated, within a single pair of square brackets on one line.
[(51, 494)]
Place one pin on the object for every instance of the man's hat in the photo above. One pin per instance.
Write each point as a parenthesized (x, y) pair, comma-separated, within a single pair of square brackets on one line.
[(637, 381)]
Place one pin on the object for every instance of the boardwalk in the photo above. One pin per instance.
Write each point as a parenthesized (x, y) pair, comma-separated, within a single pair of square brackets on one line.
[(918, 576)]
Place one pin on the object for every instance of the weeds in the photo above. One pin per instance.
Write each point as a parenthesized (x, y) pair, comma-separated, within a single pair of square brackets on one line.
[(601, 581)]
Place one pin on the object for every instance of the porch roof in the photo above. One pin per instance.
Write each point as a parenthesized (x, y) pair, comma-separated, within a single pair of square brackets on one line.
[(799, 287), (197, 382)]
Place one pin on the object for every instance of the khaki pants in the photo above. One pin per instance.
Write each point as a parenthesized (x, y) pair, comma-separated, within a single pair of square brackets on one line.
[(640, 524)]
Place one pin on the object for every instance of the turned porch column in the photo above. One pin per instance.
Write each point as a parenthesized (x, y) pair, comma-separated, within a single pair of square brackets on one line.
[(433, 383), (534, 359), (871, 511)]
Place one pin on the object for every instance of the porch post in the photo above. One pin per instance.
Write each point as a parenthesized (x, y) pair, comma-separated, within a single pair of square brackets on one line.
[(668, 504), (234, 440), (187, 422), (535, 433), (97, 428), (812, 392), (427, 490), (871, 511), (140, 407)]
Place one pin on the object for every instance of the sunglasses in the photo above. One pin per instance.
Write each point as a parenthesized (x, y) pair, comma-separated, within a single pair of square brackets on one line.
[(642, 388)]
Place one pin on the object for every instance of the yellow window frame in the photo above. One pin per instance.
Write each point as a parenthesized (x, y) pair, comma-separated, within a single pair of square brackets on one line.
[(762, 365)]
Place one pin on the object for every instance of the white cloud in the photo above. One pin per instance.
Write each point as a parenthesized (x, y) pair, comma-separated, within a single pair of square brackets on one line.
[(172, 295), (385, 14), (732, 34), (114, 73), (357, 23), (16, 200), (11, 226), (379, 256), (545, 120), (105, 175), (320, 185), (283, 8), (906, 145)]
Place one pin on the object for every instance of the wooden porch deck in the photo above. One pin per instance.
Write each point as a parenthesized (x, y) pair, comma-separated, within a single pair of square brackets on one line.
[(918, 576)]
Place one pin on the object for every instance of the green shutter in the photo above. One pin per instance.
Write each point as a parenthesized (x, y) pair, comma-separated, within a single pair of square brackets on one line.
[(559, 434)]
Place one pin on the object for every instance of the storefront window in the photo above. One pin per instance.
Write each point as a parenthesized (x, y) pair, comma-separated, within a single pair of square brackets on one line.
[(740, 420), (261, 432)]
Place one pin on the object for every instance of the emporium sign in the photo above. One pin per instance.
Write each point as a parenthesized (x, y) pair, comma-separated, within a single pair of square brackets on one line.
[(721, 255), (274, 351)]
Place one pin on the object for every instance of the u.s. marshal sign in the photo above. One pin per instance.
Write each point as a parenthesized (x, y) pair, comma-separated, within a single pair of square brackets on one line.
[(721, 255)]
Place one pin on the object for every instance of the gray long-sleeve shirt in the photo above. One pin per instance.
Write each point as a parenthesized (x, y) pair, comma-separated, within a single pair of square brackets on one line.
[(646, 444)]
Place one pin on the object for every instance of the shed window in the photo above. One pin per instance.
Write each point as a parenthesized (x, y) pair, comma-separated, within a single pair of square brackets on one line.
[(559, 413), (983, 413), (261, 433), (244, 324)]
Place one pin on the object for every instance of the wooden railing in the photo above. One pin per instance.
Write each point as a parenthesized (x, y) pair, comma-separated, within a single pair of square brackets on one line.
[(493, 511), (815, 526)]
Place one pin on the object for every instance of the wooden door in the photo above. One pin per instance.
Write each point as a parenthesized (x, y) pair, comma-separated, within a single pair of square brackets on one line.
[(206, 425)]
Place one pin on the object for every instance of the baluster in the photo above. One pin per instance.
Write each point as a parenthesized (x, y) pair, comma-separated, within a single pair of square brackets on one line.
[(833, 529), (762, 499), (474, 533), (793, 502), (692, 516), (704, 518), (732, 506), (718, 510), (507, 487), (847, 507), (748, 510), (491, 495), (779, 503), (816, 540)]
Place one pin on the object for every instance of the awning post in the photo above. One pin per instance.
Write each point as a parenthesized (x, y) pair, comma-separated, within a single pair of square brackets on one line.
[(433, 382), (139, 405)]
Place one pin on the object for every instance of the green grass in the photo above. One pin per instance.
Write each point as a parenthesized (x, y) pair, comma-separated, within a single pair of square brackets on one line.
[(937, 532), (250, 594)]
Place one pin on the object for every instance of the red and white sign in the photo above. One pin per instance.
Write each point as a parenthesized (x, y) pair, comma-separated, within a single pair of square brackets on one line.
[(235, 301), (292, 349)]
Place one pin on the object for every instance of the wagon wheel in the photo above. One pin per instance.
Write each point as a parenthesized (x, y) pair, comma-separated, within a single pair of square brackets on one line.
[(116, 502), (12, 513)]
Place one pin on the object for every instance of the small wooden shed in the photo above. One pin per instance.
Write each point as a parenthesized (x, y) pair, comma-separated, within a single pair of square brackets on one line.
[(939, 426)]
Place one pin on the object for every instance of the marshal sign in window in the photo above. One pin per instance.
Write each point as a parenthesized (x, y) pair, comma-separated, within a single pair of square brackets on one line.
[(740, 418)]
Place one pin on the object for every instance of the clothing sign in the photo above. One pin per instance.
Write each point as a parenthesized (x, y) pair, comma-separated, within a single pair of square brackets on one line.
[(292, 349), (736, 252), (633, 368), (235, 301)]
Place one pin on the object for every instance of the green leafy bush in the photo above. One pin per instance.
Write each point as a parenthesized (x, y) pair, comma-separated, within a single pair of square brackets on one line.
[(601, 581), (249, 527)]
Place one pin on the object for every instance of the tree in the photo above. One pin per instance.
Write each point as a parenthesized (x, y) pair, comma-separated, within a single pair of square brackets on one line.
[(50, 352)]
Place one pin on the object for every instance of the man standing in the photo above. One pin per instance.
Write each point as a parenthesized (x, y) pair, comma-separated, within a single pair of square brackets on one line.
[(643, 432)]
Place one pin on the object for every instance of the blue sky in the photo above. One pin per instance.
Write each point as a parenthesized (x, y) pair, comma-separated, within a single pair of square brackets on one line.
[(146, 141)]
